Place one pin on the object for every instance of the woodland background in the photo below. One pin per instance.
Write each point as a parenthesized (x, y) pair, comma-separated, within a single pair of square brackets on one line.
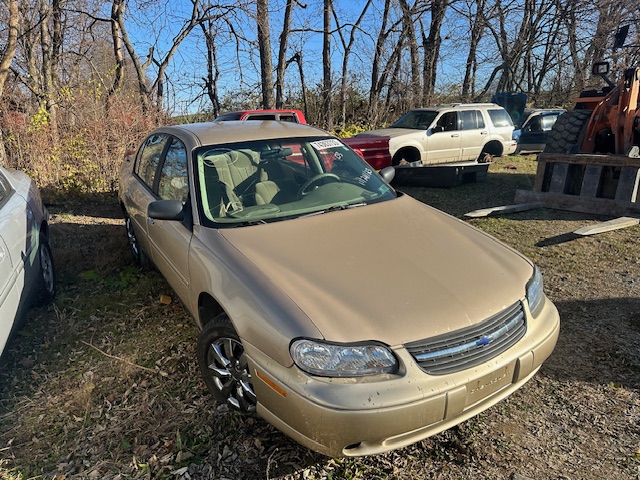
[(81, 81)]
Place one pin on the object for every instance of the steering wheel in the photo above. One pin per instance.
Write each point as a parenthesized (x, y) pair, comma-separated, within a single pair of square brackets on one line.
[(313, 180)]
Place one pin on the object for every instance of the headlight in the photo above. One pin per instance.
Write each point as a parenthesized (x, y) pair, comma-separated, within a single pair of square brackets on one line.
[(342, 360), (535, 292)]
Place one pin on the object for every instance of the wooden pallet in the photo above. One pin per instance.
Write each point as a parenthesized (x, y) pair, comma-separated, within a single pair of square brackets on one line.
[(598, 184)]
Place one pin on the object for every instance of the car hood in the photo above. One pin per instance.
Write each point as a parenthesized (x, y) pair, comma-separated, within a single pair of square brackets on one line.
[(390, 132), (395, 272)]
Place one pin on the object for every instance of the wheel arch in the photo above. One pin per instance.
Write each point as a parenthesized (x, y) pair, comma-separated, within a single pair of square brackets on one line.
[(44, 229), (208, 309), (409, 153), (495, 148)]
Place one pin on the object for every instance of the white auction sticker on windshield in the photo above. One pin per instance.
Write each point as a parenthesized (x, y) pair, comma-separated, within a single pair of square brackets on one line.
[(324, 144)]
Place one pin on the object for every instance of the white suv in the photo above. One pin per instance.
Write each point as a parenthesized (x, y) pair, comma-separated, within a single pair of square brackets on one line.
[(449, 133)]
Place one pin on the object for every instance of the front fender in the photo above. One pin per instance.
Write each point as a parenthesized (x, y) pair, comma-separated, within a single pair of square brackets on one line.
[(261, 314), (414, 141)]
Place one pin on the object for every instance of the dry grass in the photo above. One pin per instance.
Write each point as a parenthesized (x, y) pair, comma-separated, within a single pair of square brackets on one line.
[(104, 383)]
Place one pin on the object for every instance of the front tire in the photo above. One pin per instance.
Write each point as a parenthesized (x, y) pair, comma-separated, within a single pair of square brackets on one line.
[(568, 132), (224, 366)]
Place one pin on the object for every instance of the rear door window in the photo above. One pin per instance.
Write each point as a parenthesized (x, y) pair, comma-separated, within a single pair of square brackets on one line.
[(470, 119), (173, 183), (500, 118), (5, 189), (149, 158)]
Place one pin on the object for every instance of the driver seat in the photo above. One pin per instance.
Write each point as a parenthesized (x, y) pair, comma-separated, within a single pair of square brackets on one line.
[(268, 191)]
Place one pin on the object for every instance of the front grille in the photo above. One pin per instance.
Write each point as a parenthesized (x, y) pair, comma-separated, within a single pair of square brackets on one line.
[(455, 351)]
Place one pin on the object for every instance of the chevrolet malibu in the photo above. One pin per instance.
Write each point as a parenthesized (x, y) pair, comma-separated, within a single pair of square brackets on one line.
[(26, 264), (350, 316)]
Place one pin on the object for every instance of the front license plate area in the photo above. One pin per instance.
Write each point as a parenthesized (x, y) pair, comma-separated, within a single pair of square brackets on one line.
[(489, 384)]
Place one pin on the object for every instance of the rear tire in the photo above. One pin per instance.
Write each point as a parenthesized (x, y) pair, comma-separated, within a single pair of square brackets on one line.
[(405, 156), (46, 290), (568, 132), (139, 257)]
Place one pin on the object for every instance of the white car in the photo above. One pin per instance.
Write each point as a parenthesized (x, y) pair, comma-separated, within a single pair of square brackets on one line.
[(27, 275), (457, 132)]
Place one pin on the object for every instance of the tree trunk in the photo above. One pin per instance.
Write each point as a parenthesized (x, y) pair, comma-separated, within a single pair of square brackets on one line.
[(117, 10), (375, 88), (432, 49), (347, 46), (477, 27), (213, 72), (6, 57), (264, 47), (409, 37), (326, 66), (282, 53)]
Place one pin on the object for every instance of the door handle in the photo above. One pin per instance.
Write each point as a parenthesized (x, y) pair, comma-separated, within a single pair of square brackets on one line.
[(454, 135)]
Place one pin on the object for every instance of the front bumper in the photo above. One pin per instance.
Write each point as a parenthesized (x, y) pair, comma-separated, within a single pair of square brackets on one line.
[(353, 417), (510, 147)]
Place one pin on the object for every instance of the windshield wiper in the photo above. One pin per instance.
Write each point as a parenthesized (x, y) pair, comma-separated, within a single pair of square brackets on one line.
[(246, 223), (333, 208)]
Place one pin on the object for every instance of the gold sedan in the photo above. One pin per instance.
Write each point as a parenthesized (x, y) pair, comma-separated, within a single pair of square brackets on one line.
[(350, 316)]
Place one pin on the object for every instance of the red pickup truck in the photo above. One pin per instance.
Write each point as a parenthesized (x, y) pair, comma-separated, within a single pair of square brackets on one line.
[(375, 150), (283, 115)]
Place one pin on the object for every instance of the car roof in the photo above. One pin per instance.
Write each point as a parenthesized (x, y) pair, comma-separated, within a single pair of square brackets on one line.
[(208, 133), (458, 106), (281, 110), (530, 111)]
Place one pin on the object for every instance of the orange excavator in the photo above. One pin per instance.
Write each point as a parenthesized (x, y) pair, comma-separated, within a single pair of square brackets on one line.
[(591, 162)]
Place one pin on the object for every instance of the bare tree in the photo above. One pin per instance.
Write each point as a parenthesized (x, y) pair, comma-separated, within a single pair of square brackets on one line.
[(327, 113), (6, 57), (477, 23), (282, 52), (347, 47), (11, 42), (213, 72), (431, 45), (409, 39), (117, 12), (264, 47), (140, 68)]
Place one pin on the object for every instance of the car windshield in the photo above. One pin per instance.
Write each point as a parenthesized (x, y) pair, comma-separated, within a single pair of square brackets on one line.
[(416, 120), (266, 180)]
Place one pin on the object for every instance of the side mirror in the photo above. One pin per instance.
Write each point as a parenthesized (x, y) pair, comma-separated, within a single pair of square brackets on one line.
[(387, 173), (437, 129), (166, 210), (600, 68)]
